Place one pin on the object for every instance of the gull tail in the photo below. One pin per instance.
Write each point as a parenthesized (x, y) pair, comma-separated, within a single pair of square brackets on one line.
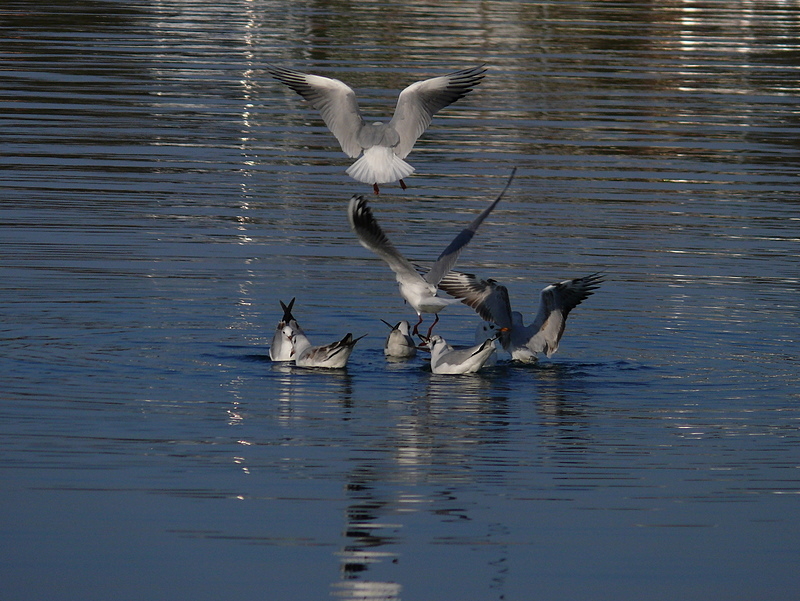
[(379, 165)]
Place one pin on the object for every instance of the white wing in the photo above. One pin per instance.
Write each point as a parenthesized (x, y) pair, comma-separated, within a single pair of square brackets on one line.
[(371, 237), (447, 260), (420, 101), (335, 101), (557, 300)]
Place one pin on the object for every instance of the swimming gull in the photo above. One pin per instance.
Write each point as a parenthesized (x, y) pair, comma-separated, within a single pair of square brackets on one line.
[(331, 356), (399, 344), (448, 360), (281, 347)]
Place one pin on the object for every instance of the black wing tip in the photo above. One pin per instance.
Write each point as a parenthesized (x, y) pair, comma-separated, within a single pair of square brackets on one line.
[(510, 179), (464, 81), (483, 346), (478, 72), (288, 77), (277, 71), (587, 286), (287, 310), (592, 281), (359, 211), (348, 339)]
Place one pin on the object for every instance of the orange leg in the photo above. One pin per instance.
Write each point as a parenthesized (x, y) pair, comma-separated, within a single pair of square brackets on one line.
[(415, 331), (435, 321)]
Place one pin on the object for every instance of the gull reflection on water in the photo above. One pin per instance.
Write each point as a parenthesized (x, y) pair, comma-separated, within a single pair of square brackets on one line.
[(295, 386), (367, 537), (357, 590), (410, 468)]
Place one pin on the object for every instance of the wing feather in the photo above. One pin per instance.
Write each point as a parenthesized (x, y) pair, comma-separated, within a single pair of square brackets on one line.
[(419, 102), (488, 298), (335, 101), (557, 300), (449, 256), (371, 237)]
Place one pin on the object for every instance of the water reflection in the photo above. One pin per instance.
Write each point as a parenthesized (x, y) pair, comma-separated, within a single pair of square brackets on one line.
[(160, 195), (367, 536), (294, 387), (367, 590)]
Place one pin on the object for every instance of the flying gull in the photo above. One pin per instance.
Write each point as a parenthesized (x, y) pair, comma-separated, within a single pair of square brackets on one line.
[(418, 290), (380, 146)]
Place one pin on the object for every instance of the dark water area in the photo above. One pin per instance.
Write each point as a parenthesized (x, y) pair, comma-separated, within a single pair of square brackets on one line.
[(160, 193)]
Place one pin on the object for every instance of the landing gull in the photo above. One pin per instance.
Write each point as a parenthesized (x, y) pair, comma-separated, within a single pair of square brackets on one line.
[(419, 291), (381, 146), (490, 300)]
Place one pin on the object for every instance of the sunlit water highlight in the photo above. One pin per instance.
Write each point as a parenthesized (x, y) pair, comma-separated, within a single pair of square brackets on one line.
[(159, 193)]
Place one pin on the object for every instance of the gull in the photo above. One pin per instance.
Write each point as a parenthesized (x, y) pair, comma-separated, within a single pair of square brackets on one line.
[(399, 343), (447, 360), (331, 356), (381, 146), (281, 347), (490, 300), (419, 291), (485, 331)]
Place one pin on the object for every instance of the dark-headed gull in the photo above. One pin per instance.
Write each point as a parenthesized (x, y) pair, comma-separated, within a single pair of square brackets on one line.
[(381, 146), (399, 344), (490, 300), (281, 347), (448, 360), (331, 356), (419, 291)]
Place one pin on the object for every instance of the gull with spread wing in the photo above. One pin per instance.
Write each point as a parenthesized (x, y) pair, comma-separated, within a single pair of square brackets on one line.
[(380, 146), (490, 300), (418, 290)]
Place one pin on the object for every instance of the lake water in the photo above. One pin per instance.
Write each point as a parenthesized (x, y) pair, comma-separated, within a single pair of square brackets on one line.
[(160, 193)]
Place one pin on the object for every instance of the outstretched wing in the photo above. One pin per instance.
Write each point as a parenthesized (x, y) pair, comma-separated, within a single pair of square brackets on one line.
[(335, 101), (447, 260), (371, 236), (420, 101), (557, 300), (488, 298)]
